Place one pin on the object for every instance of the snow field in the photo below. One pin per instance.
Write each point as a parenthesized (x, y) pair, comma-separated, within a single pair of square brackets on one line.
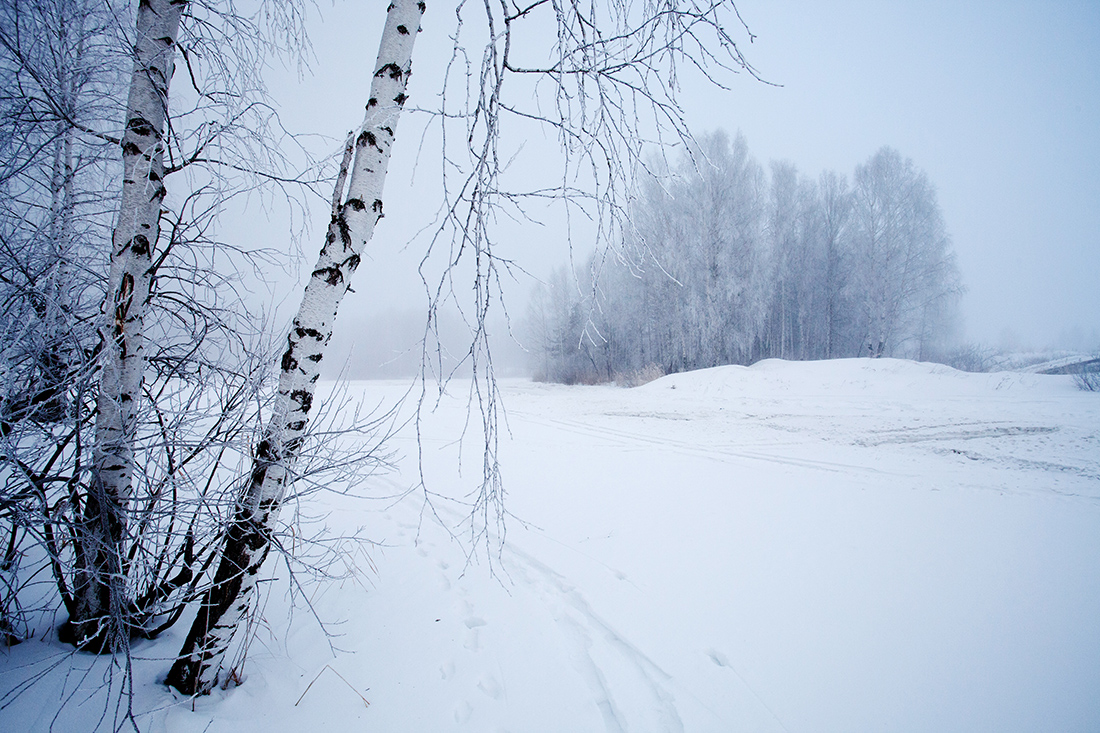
[(831, 546)]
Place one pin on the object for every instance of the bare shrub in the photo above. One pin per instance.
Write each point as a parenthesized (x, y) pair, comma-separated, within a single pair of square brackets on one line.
[(638, 377), (971, 358), (1088, 380)]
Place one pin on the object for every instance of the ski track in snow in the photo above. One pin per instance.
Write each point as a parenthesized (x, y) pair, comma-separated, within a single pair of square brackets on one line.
[(589, 638), (584, 628)]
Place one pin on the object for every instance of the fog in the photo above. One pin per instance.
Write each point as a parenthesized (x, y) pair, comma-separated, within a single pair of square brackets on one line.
[(999, 103)]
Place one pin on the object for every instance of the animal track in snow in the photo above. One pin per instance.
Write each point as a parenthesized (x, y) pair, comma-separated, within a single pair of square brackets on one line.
[(489, 685)]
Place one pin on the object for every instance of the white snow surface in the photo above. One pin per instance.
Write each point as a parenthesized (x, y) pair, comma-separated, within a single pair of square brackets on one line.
[(853, 545)]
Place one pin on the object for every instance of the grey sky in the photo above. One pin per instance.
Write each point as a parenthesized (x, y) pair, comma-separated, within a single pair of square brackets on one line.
[(999, 102)]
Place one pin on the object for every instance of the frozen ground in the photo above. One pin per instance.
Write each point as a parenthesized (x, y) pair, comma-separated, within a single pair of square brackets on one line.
[(837, 546)]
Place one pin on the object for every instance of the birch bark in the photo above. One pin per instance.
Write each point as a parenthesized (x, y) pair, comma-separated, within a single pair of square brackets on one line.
[(98, 621), (247, 542)]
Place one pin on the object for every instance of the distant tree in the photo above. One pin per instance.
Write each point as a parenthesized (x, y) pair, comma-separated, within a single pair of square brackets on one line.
[(904, 268), (836, 278), (691, 294), (558, 331)]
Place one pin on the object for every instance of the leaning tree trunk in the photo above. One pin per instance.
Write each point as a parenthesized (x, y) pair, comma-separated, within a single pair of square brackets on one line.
[(248, 537), (99, 594)]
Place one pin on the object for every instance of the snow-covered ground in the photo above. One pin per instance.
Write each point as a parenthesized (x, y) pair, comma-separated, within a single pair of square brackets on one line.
[(852, 545)]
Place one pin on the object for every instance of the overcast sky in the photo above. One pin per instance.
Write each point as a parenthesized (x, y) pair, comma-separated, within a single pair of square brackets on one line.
[(999, 102)]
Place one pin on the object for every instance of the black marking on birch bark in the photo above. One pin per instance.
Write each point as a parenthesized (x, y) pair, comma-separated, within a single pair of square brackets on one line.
[(369, 138), (402, 30), (392, 69), (422, 7), (312, 332), (371, 102), (356, 204), (123, 299), (351, 263), (391, 7), (400, 99), (265, 456), (130, 148), (303, 397), (141, 126), (344, 229), (158, 194), (315, 357), (160, 85), (289, 363), (139, 245), (387, 130), (376, 207), (331, 275), (254, 537), (297, 426)]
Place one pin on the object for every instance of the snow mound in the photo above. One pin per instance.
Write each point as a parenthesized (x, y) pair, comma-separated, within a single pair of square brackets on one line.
[(854, 377)]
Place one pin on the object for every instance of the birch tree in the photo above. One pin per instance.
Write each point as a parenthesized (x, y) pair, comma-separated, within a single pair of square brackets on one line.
[(835, 212), (904, 263), (99, 594), (126, 545), (248, 538)]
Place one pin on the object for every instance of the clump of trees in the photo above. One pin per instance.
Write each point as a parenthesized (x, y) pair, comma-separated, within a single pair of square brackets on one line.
[(726, 264), (132, 374)]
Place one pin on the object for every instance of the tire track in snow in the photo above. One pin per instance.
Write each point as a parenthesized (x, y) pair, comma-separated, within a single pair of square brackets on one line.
[(721, 454), (922, 434)]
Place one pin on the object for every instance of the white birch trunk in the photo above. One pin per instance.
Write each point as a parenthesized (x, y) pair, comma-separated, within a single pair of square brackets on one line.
[(197, 669), (99, 591)]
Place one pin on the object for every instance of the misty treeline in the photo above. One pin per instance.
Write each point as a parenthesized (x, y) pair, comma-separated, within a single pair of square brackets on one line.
[(726, 263)]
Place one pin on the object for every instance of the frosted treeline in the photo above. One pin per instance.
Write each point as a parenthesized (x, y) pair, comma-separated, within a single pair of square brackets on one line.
[(724, 263)]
